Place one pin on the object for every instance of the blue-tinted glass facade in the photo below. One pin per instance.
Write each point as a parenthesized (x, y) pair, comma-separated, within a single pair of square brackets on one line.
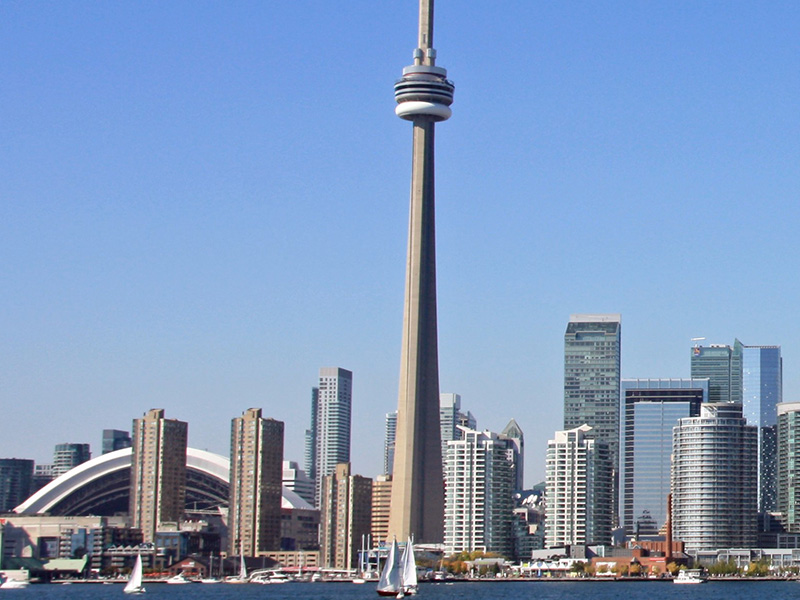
[(651, 408), (762, 391)]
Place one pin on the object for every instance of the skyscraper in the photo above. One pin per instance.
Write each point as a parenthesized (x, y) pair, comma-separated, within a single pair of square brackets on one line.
[(651, 409), (381, 504), (714, 479), (67, 456), (346, 515), (16, 475), (295, 479), (722, 366), (115, 439), (578, 489), (254, 520), (389, 435), (478, 494), (762, 391), (788, 497), (158, 472), (311, 438), (333, 418), (591, 377), (450, 417), (516, 452), (424, 95)]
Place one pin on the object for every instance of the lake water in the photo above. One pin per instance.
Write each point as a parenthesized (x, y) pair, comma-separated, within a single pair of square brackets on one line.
[(537, 590)]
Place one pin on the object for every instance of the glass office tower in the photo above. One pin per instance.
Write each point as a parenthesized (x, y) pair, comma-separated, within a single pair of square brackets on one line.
[(722, 366), (762, 391), (591, 377), (650, 409)]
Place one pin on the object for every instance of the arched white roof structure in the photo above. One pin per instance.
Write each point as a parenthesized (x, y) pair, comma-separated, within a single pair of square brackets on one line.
[(91, 472), (73, 480)]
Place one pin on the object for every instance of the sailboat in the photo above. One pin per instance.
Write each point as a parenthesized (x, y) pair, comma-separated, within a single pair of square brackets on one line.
[(134, 585), (391, 582), (242, 577), (409, 564)]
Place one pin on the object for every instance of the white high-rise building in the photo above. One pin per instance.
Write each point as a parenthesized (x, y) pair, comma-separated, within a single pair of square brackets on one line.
[(715, 479), (479, 487), (578, 489), (390, 432), (333, 417)]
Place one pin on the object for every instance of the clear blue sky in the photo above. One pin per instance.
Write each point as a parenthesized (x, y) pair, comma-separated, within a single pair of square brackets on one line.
[(201, 203)]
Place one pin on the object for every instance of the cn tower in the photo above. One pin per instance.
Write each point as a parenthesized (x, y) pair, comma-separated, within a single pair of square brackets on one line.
[(423, 95)]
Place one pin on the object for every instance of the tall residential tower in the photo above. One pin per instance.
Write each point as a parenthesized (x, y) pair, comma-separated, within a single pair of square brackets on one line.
[(424, 95), (254, 520), (331, 419), (158, 472)]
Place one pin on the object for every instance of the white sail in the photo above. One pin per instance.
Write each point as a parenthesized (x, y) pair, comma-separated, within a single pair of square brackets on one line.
[(391, 577), (134, 585), (409, 564), (242, 567)]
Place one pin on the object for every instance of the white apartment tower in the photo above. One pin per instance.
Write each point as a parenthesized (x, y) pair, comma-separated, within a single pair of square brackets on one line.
[(715, 479), (479, 487), (578, 489), (333, 417)]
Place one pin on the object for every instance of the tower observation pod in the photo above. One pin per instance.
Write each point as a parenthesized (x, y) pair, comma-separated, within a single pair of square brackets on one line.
[(424, 90)]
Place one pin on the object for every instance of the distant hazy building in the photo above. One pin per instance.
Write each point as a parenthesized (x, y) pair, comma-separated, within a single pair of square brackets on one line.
[(788, 465), (479, 489), (115, 439), (42, 475), (516, 452), (158, 472), (16, 476), (651, 409), (389, 435), (591, 377), (578, 489), (254, 518), (295, 479), (68, 456), (311, 439), (331, 423), (345, 512), (722, 366), (381, 503), (762, 391), (451, 418), (714, 479)]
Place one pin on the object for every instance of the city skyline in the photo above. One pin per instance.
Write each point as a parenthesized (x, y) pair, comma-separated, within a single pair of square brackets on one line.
[(167, 168)]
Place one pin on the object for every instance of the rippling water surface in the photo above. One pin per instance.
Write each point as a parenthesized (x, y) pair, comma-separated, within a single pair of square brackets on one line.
[(479, 591)]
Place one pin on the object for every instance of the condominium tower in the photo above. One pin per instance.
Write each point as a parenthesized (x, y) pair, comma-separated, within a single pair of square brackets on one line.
[(254, 518), (578, 489), (424, 95), (591, 377), (331, 422), (68, 456), (714, 475), (158, 472), (479, 492), (762, 391), (788, 467), (651, 409), (345, 512)]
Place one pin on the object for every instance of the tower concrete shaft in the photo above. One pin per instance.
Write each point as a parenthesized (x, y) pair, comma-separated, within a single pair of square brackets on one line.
[(417, 506)]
